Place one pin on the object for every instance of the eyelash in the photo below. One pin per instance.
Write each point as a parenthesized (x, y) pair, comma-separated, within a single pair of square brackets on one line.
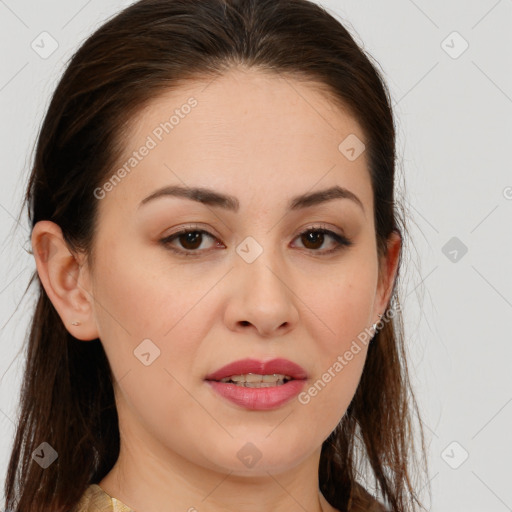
[(341, 240)]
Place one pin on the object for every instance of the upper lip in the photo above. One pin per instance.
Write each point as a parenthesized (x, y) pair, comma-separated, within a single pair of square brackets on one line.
[(243, 366)]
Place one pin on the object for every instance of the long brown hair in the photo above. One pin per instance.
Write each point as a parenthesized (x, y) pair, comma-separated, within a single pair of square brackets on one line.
[(67, 397)]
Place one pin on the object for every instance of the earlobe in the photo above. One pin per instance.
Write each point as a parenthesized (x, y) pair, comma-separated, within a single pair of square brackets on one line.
[(60, 274)]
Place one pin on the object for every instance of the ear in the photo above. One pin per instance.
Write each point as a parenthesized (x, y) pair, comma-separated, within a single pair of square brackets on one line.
[(388, 270), (61, 274)]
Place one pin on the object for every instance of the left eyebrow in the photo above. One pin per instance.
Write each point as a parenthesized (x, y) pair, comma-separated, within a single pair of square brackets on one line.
[(212, 198)]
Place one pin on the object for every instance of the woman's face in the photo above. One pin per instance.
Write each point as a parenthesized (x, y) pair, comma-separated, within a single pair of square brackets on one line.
[(251, 279)]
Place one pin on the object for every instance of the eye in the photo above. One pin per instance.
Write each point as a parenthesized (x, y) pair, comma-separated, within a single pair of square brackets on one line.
[(191, 238), (314, 237)]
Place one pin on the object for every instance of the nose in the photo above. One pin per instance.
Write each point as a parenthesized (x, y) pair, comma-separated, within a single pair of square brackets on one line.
[(261, 297)]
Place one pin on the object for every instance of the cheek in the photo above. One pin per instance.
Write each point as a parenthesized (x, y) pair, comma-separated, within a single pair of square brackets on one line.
[(146, 330), (342, 305), (150, 324), (341, 330), (140, 301), (335, 381)]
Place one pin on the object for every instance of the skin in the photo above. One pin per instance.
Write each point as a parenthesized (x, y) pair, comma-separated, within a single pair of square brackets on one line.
[(263, 139)]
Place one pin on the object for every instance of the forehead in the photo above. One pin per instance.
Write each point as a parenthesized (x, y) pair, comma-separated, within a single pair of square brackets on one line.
[(245, 133)]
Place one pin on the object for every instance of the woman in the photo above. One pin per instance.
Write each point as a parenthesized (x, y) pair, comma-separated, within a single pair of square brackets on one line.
[(217, 248)]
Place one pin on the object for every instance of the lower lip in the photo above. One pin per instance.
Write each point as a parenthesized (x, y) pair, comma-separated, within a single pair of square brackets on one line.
[(258, 398)]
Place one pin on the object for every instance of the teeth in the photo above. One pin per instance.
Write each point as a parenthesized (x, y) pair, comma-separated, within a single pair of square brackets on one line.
[(261, 384), (272, 378), (254, 380)]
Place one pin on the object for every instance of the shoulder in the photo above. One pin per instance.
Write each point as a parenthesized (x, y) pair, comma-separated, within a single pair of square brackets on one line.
[(95, 499), (362, 501), (377, 506)]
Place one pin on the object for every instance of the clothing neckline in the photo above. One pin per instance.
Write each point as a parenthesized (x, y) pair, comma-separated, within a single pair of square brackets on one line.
[(117, 504)]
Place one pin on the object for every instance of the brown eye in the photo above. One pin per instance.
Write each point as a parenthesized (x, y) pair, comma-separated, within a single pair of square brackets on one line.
[(189, 240), (314, 238)]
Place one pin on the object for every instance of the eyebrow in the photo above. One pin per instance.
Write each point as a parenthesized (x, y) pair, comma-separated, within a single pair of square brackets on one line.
[(212, 198)]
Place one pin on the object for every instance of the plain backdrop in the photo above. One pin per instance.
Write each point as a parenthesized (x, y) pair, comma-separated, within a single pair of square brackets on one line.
[(448, 67)]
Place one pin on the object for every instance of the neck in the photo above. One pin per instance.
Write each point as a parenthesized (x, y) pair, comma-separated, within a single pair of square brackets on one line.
[(144, 480)]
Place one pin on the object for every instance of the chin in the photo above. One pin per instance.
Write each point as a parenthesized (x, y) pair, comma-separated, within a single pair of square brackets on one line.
[(258, 458)]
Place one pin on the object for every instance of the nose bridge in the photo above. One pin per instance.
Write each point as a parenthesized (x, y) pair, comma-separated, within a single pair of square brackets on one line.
[(262, 294), (262, 262)]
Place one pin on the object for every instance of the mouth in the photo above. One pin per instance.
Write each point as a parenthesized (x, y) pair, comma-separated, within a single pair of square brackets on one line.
[(257, 385), (255, 373), (254, 380)]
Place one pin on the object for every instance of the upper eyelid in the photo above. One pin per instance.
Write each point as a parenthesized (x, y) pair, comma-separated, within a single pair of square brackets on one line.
[(199, 228)]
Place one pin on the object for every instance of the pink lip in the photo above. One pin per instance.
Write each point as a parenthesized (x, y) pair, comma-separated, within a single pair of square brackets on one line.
[(259, 398), (243, 366)]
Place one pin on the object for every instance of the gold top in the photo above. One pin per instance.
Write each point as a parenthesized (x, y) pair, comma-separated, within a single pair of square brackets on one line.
[(95, 499)]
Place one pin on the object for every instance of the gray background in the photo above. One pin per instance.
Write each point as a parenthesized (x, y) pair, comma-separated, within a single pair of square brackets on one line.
[(453, 113)]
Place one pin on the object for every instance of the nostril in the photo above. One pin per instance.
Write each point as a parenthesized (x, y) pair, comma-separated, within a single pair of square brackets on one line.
[(245, 322)]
